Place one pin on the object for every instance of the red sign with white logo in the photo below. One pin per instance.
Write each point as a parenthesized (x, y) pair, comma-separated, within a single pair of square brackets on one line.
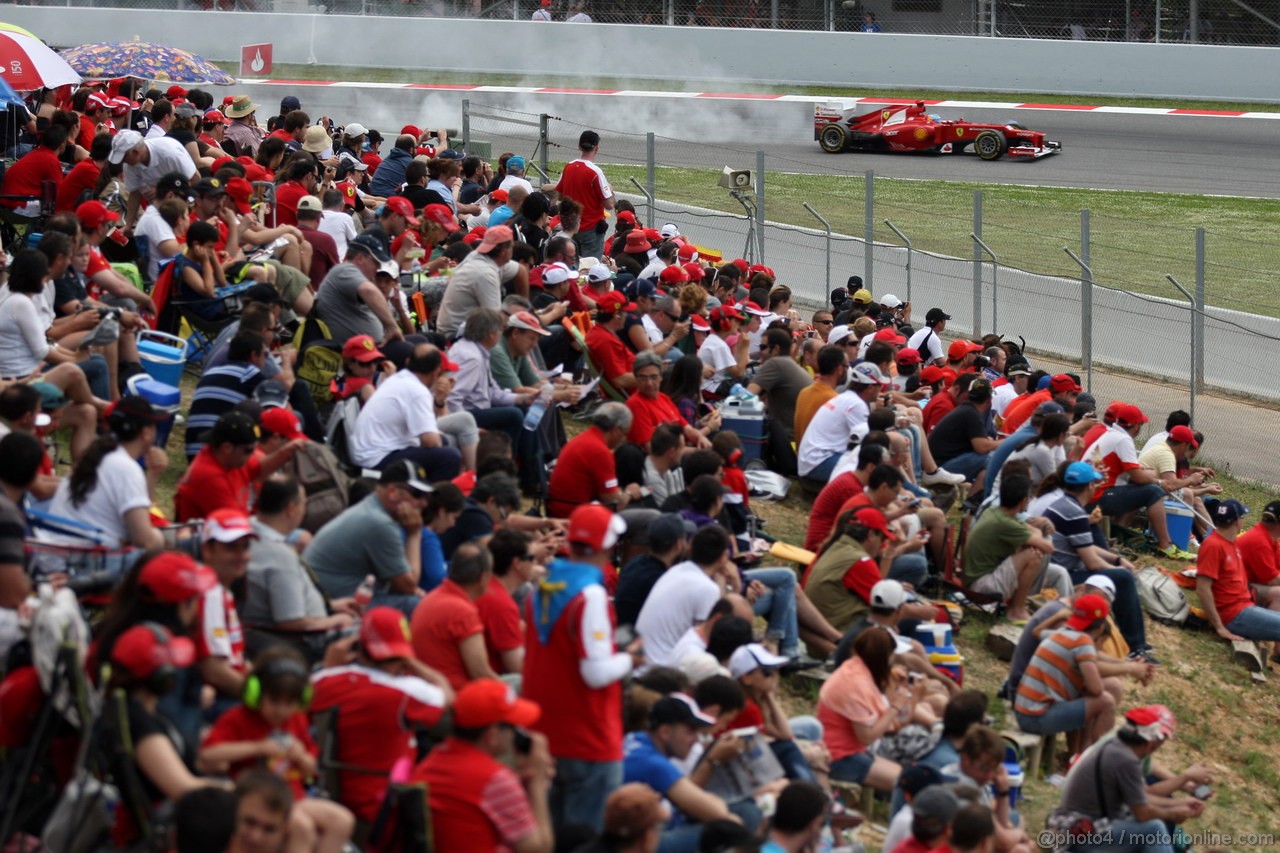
[(255, 60)]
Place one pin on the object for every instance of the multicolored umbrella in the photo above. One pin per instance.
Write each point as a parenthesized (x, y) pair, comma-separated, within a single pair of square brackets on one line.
[(155, 62), (27, 63)]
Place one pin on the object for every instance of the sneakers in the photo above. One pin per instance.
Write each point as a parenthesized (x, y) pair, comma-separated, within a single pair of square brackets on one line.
[(941, 476), (1173, 552), (1144, 654)]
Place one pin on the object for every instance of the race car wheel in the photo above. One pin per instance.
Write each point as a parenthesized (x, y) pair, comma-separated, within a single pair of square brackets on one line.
[(1017, 125), (989, 145), (833, 138)]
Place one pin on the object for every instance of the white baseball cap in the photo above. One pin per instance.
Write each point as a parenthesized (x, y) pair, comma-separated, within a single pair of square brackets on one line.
[(838, 334), (888, 594), (556, 274), (669, 230), (1102, 583), (355, 129), (124, 142), (751, 657), (599, 272), (890, 301), (866, 373)]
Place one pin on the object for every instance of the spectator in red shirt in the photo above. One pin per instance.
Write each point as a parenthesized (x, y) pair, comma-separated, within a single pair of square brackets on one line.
[(608, 353), (448, 635), (227, 540), (842, 488), (650, 407), (944, 403), (1062, 389), (380, 699), (477, 802), (83, 177), (324, 251), (1260, 551), (573, 670), (224, 473), (96, 222), (585, 183), (27, 176), (1223, 584), (515, 562), (587, 471), (94, 109), (302, 181)]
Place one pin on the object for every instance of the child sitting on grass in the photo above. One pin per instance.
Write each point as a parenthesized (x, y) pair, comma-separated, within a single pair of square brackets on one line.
[(269, 730)]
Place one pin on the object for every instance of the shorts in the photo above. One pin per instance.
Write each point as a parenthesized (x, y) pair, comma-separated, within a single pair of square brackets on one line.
[(290, 282), (1057, 718), (1001, 581), (853, 768), (1119, 500)]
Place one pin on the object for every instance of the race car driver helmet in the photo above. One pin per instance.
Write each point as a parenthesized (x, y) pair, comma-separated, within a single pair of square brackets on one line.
[(935, 117)]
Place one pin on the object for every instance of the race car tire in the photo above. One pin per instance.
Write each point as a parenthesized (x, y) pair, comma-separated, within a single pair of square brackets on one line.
[(833, 138), (989, 145), (1017, 125)]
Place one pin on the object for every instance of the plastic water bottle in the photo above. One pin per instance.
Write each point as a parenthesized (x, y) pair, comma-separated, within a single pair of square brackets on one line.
[(538, 408), (364, 592)]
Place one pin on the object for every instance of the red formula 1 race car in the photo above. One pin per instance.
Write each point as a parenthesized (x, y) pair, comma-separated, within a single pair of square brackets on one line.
[(909, 127)]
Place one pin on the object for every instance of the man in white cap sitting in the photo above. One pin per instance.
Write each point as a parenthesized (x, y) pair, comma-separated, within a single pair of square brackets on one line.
[(827, 437), (146, 161)]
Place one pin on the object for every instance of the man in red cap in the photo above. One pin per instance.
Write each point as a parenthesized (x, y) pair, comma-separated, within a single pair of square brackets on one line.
[(574, 672), (608, 353), (1061, 389), (97, 221), (361, 362), (477, 801), (961, 355), (380, 699), (1171, 459), (1128, 486)]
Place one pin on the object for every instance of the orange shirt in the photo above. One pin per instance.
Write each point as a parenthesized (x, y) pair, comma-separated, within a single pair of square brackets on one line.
[(808, 401)]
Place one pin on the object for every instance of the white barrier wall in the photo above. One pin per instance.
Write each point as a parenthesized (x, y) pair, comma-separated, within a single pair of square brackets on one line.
[(727, 56)]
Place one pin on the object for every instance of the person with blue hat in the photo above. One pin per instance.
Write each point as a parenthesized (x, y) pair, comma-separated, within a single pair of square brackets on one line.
[(515, 175)]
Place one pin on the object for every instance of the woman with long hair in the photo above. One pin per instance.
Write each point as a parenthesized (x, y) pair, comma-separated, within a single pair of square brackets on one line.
[(444, 505), (270, 155), (107, 488), (683, 384), (1046, 451)]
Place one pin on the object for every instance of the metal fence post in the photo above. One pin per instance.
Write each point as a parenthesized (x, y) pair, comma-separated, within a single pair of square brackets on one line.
[(869, 229), (1192, 377), (1198, 341), (827, 225), (1086, 302), (995, 286), (466, 125), (650, 171), (977, 263), (760, 205), (907, 240), (544, 142)]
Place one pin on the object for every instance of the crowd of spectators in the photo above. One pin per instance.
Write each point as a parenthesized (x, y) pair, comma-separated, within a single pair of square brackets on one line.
[(393, 558)]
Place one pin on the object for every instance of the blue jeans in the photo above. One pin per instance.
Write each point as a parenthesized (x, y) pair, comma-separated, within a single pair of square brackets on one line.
[(1150, 836), (1059, 717), (684, 838), (969, 465), (404, 603), (778, 605), (590, 243), (806, 727), (822, 472), (853, 768), (912, 434), (1127, 608), (440, 463), (96, 371), (792, 761), (1005, 449), (1256, 623), (526, 443), (910, 568), (580, 789)]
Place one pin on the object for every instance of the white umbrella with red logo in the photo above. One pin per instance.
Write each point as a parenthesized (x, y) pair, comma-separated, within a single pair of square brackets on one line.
[(27, 63)]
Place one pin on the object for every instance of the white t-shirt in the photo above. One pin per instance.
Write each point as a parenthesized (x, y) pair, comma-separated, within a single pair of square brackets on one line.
[(1002, 396), (22, 335), (716, 353), (899, 828), (340, 227), (152, 226), (841, 417), (690, 643), (511, 180), (397, 414), (653, 270), (682, 597), (541, 15), (651, 329), (580, 18), (865, 344), (934, 345), (121, 486), (1162, 435), (167, 155)]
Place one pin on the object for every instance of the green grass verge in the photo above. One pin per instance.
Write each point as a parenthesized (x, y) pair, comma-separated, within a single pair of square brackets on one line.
[(405, 75), (1137, 237)]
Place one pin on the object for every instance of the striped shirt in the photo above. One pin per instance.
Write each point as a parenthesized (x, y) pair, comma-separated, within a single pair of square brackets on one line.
[(219, 391), (1054, 672)]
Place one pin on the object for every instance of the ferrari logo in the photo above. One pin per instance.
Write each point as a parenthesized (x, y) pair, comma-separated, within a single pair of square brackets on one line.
[(921, 133), (884, 116), (959, 131)]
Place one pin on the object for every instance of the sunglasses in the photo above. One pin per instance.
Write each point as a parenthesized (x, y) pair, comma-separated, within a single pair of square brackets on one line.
[(824, 322)]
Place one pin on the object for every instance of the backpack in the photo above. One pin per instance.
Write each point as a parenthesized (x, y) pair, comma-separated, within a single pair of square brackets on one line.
[(341, 427), (327, 485), (1161, 597)]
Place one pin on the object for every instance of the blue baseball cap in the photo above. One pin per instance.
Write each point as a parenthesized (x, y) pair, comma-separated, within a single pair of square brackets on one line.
[(1043, 383), (1229, 512), (516, 162), (1080, 474)]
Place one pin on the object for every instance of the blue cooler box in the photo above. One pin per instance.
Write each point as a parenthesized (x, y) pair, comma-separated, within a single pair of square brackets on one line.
[(748, 421), (165, 397), (163, 356)]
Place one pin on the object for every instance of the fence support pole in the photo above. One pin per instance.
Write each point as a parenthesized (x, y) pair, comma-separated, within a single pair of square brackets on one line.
[(977, 263), (869, 229), (1191, 300), (907, 240), (466, 125), (651, 170), (1198, 338), (827, 226), (544, 142), (1086, 300), (648, 196), (995, 279), (773, 14), (760, 204)]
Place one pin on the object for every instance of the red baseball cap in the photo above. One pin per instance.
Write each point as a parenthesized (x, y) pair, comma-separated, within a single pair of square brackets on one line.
[(498, 195), (741, 264), (348, 190), (754, 309), (729, 311), (1131, 415), (362, 348), (488, 701), (411, 130), (652, 235), (441, 215), (873, 519), (175, 91), (240, 191), (475, 235), (1113, 410), (216, 117), (699, 323), (1150, 724), (613, 302), (959, 349), (889, 336), (687, 253), (1184, 434), (674, 274), (495, 237), (282, 422), (385, 635), (1087, 610), (932, 374), (694, 270), (626, 216), (595, 526), (228, 525), (1063, 383), (143, 649), (172, 577), (446, 364), (93, 213), (908, 356), (401, 205)]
